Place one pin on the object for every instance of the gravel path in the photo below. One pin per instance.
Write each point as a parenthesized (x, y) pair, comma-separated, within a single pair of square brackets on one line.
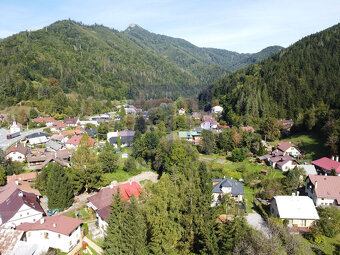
[(257, 222)]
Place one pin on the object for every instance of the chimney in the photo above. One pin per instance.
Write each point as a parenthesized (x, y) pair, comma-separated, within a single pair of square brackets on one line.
[(112, 184), (316, 185), (337, 158), (54, 225), (130, 182), (231, 178), (21, 194), (42, 221), (16, 182), (293, 194), (223, 177), (333, 158), (297, 193)]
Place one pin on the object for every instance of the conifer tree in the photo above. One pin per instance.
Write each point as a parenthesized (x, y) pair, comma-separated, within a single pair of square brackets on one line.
[(59, 189), (2, 176)]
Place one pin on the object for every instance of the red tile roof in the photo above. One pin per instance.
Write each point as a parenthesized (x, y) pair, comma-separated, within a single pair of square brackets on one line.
[(59, 125), (57, 137), (59, 224), (327, 164), (7, 190), (283, 146), (248, 128), (71, 132), (76, 139), (104, 196), (327, 187), (71, 121), (23, 177), (44, 119), (104, 212)]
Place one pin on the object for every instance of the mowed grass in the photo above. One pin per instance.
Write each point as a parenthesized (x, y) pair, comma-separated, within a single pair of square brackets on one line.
[(311, 143)]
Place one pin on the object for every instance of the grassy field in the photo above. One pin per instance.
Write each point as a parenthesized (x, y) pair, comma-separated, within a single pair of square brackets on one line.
[(329, 247), (310, 143)]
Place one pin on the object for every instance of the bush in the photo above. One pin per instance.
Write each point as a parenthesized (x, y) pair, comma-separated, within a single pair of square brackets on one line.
[(239, 154)]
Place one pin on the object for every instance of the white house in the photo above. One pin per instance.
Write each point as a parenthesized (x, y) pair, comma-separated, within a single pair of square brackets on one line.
[(286, 164), (17, 153), (288, 148), (298, 210), (15, 127), (224, 186), (324, 190), (84, 122), (217, 109), (59, 232), (20, 207), (37, 138), (181, 111), (103, 214)]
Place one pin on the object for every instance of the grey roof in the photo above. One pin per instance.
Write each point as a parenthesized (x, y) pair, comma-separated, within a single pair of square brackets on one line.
[(309, 169), (39, 134), (123, 139), (91, 131), (54, 145), (236, 187)]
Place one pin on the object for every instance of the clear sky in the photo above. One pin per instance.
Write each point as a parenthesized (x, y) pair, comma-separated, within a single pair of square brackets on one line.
[(238, 25)]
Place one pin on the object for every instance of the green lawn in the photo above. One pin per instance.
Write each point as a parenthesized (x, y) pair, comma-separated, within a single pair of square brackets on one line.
[(330, 246), (311, 143), (84, 213)]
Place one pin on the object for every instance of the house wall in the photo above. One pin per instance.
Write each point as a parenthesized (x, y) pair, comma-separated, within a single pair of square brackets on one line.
[(102, 224), (38, 140), (24, 214), (226, 190), (292, 151), (288, 166), (324, 201), (16, 156), (55, 240)]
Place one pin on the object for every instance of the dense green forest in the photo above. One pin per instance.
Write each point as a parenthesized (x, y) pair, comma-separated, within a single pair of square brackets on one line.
[(300, 83), (93, 61)]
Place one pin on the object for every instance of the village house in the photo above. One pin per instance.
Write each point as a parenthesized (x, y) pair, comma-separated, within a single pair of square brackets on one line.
[(308, 169), (196, 115), (53, 146), (217, 109), (288, 148), (324, 190), (18, 208), (58, 232), (58, 126), (22, 177), (91, 132), (248, 129), (84, 122), (47, 120), (286, 125), (181, 111), (59, 138), (298, 210), (71, 122), (15, 128), (74, 141), (37, 138), (100, 202), (9, 240), (40, 158), (326, 165), (17, 153), (190, 136), (224, 186), (126, 138)]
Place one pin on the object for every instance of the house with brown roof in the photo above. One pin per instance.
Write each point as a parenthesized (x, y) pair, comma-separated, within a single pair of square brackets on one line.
[(324, 190), (22, 177), (248, 129), (18, 208), (39, 159), (100, 202), (326, 165), (47, 120), (58, 232), (17, 153), (71, 122), (58, 126), (74, 141), (9, 239), (288, 148)]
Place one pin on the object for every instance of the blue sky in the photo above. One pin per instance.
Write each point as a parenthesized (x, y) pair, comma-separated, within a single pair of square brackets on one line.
[(238, 25)]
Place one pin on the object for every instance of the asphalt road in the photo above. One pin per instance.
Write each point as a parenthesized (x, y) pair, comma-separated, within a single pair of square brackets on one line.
[(4, 143)]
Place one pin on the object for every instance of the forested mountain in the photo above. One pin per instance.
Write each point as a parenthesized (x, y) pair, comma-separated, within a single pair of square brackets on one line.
[(291, 82), (93, 61), (194, 58)]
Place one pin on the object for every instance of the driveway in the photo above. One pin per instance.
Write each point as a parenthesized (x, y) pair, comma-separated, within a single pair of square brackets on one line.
[(4, 143), (257, 222)]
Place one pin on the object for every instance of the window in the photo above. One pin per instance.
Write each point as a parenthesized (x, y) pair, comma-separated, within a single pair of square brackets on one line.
[(46, 235), (58, 235), (28, 213)]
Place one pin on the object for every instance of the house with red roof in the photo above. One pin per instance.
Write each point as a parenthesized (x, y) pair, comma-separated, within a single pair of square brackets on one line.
[(47, 120), (324, 190), (58, 232), (326, 165), (71, 122), (74, 141), (22, 177), (248, 129), (17, 153), (288, 148), (101, 201), (58, 126), (20, 207)]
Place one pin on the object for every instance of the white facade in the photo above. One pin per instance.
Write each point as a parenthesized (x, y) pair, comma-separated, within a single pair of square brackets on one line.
[(16, 156), (217, 109), (111, 134), (287, 166), (181, 111), (24, 214), (55, 240), (38, 140), (292, 151), (84, 122), (15, 128), (102, 224)]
